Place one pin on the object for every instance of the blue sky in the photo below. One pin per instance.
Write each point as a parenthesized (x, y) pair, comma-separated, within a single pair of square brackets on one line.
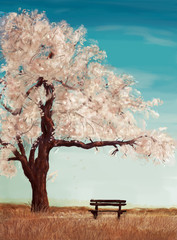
[(140, 38)]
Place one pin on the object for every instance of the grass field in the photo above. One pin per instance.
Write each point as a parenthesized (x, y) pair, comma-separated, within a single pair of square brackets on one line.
[(76, 223)]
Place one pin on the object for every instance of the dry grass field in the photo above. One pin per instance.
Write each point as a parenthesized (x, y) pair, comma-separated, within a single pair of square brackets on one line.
[(76, 223)]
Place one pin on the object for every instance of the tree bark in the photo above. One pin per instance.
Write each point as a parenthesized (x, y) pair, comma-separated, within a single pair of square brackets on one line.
[(40, 165), (39, 192), (40, 201)]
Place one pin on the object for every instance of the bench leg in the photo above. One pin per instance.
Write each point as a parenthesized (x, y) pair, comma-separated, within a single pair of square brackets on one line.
[(95, 213), (119, 212)]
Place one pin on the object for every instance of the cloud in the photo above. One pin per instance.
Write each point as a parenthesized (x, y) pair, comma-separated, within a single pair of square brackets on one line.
[(108, 28), (144, 80), (152, 36), (61, 10)]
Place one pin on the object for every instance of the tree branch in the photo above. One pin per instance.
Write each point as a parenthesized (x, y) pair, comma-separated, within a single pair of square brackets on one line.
[(115, 151), (15, 112), (47, 124), (3, 143), (38, 84), (18, 157), (73, 143), (65, 84), (32, 151), (18, 110), (13, 159), (20, 145), (25, 165)]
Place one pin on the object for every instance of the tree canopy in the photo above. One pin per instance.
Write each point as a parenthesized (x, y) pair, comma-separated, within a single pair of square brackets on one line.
[(57, 86)]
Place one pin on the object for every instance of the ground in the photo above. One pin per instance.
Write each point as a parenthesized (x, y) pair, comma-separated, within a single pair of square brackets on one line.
[(77, 223)]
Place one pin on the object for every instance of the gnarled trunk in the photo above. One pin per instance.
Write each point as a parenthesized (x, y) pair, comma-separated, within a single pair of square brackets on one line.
[(39, 192), (40, 201)]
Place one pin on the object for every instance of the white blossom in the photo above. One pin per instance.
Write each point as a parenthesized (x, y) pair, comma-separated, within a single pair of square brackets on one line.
[(91, 100)]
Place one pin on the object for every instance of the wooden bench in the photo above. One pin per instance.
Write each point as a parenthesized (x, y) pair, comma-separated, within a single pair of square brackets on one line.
[(102, 202)]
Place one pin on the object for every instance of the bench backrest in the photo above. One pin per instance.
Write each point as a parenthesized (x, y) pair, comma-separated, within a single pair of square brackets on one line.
[(103, 202)]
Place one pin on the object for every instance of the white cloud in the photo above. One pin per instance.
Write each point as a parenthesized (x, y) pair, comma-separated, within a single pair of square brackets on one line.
[(144, 80), (108, 27), (149, 35), (152, 36), (61, 10)]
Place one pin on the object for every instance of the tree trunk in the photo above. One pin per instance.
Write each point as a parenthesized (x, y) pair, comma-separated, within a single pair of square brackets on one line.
[(40, 201)]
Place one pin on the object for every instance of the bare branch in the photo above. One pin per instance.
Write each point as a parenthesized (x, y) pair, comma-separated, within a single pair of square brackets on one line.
[(25, 165), (115, 151), (73, 143), (18, 155), (92, 142), (13, 159)]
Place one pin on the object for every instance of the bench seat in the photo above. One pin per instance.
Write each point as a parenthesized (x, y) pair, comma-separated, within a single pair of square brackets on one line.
[(103, 202)]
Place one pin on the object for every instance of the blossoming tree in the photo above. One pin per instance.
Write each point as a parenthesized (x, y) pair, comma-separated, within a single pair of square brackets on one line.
[(57, 92)]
